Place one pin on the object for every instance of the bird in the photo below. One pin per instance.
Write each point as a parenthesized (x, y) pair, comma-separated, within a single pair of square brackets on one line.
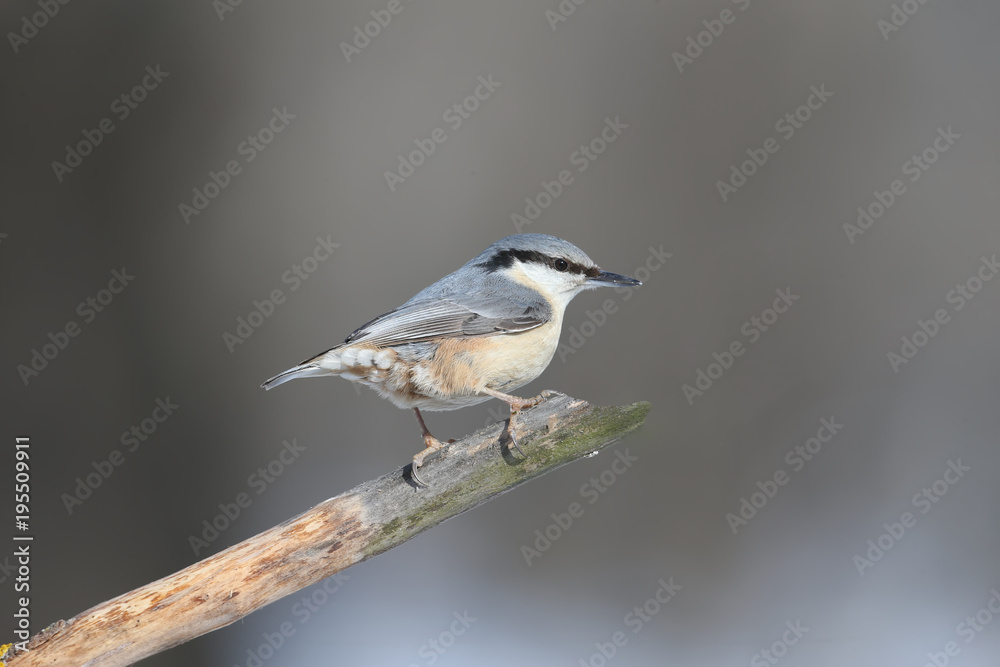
[(480, 332)]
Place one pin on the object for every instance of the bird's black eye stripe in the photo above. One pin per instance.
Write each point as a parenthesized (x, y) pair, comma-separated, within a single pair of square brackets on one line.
[(504, 259)]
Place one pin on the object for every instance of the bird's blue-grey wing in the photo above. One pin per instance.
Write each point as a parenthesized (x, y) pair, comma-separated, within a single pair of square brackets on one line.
[(459, 315)]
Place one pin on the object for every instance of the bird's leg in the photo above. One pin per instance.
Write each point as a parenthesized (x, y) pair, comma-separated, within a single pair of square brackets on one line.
[(516, 405), (431, 445)]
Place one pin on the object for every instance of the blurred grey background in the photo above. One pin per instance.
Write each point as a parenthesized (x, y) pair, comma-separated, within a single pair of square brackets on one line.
[(349, 113)]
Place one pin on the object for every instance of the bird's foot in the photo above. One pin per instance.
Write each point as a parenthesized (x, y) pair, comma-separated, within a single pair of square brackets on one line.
[(431, 445), (516, 406)]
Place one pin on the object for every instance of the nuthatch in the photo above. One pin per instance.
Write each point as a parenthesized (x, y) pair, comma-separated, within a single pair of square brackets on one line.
[(486, 329)]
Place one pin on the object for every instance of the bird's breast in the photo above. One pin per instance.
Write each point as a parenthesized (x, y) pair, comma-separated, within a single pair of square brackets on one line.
[(502, 362)]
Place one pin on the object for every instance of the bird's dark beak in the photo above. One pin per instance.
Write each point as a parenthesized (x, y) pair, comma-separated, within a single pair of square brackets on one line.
[(608, 279)]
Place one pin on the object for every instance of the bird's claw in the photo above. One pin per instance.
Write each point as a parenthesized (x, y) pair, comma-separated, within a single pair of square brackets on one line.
[(528, 403), (418, 461), (432, 445), (416, 479), (513, 438)]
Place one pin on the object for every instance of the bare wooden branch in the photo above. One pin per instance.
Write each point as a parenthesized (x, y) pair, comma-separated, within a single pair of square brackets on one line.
[(335, 534)]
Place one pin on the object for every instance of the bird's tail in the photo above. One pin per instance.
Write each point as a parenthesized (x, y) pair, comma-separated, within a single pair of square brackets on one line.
[(327, 363)]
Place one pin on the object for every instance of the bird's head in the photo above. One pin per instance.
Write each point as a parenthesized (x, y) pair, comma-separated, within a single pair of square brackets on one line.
[(554, 267)]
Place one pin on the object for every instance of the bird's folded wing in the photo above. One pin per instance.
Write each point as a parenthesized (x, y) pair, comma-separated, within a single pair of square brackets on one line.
[(450, 318)]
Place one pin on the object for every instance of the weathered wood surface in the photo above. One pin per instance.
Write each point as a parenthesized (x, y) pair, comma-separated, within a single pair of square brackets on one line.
[(335, 534)]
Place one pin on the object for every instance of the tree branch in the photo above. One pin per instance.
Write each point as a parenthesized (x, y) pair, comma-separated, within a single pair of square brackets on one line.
[(335, 534)]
